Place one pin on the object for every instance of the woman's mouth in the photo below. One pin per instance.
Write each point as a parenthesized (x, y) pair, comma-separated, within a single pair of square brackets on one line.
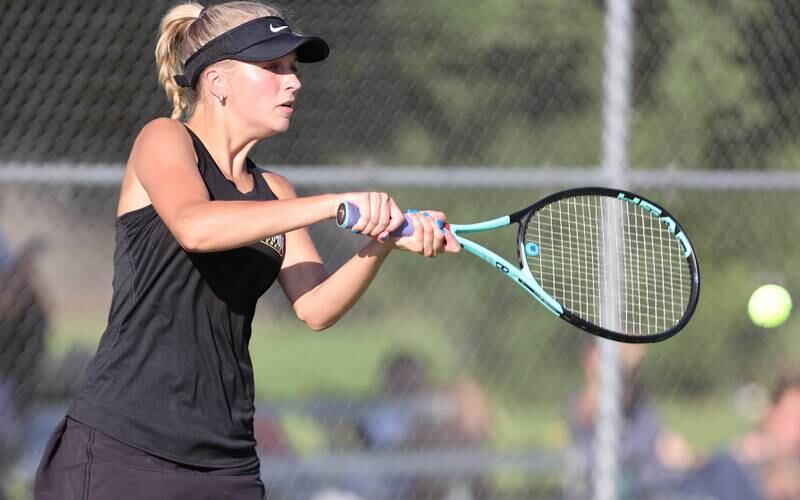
[(287, 106)]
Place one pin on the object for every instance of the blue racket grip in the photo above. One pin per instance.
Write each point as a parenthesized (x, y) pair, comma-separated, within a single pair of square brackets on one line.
[(347, 216)]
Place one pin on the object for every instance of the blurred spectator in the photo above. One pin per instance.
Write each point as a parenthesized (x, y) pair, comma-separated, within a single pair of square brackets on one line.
[(649, 454), (467, 425), (416, 417), (764, 464), (778, 433), (473, 417), (654, 463), (772, 450), (719, 477), (393, 425), (23, 323)]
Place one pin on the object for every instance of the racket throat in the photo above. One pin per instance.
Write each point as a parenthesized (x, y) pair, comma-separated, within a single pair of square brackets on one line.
[(520, 277)]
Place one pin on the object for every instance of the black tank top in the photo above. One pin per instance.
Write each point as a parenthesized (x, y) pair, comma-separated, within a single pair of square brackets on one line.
[(172, 374)]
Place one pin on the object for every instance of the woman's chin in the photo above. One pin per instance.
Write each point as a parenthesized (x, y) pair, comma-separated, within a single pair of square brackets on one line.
[(275, 127)]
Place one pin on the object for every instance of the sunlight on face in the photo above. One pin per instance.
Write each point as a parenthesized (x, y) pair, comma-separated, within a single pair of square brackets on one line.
[(264, 93)]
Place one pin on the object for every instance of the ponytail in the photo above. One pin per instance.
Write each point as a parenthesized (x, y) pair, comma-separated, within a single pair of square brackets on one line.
[(170, 55)]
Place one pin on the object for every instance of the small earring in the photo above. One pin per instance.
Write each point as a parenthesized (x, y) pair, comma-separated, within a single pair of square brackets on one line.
[(221, 99)]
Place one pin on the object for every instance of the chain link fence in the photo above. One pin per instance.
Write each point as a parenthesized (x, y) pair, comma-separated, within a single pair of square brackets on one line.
[(443, 382)]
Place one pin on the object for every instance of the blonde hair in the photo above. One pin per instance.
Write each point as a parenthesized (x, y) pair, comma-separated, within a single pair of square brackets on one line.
[(187, 27)]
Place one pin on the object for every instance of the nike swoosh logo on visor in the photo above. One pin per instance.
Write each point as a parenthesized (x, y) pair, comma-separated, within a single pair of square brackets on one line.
[(277, 29)]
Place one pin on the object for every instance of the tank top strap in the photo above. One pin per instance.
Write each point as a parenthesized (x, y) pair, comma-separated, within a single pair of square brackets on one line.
[(204, 158), (261, 191), (219, 187)]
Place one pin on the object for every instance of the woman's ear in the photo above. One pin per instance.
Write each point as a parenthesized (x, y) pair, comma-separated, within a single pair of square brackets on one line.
[(216, 83)]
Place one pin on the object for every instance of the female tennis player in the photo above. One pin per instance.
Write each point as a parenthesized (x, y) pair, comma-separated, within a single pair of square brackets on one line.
[(166, 408)]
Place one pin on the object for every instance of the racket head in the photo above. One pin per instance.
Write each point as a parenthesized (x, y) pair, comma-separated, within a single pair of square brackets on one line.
[(621, 266)]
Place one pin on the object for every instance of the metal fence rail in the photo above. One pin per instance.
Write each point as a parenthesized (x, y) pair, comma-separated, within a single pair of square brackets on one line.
[(343, 177)]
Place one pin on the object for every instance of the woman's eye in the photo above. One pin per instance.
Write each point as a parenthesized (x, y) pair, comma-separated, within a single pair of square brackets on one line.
[(280, 69)]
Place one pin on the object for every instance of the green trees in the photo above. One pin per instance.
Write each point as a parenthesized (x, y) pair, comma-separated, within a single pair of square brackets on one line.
[(711, 87), (515, 82)]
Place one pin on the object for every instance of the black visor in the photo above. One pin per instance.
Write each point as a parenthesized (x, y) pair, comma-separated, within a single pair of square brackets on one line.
[(262, 39)]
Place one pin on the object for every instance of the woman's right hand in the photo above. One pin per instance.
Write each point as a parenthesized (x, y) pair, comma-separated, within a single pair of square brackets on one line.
[(379, 214), (430, 238)]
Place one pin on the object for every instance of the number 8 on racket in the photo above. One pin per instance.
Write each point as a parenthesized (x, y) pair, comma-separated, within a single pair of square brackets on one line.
[(607, 261)]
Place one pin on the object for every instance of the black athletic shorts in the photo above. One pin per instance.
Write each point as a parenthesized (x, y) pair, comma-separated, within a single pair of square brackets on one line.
[(80, 463)]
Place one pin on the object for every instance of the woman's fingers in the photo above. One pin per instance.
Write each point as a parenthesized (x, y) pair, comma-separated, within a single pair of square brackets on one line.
[(377, 212), (428, 248), (439, 233), (416, 240), (451, 244), (428, 238), (373, 214), (396, 220), (385, 214)]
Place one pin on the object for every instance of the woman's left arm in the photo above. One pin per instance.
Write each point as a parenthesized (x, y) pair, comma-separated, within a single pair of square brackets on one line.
[(320, 299)]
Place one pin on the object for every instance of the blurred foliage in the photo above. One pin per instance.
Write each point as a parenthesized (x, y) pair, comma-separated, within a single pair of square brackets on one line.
[(429, 82), (502, 83), (508, 83), (711, 82)]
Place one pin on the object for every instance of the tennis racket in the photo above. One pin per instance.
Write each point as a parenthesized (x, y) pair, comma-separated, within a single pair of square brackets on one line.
[(607, 261)]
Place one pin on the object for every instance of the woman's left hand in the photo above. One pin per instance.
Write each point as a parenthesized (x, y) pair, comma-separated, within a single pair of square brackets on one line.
[(430, 237)]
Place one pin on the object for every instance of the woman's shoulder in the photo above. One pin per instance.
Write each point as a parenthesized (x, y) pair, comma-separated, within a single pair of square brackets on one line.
[(163, 140), (164, 127), (162, 135)]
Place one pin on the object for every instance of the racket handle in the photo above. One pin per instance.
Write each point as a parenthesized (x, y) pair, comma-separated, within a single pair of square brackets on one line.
[(347, 216)]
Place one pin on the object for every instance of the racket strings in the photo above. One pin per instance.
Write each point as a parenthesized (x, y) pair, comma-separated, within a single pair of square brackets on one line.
[(611, 263)]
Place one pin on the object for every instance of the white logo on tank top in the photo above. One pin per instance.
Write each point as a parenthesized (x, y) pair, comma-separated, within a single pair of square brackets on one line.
[(277, 243)]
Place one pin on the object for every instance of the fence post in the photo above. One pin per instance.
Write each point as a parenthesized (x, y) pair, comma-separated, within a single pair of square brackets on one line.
[(616, 114)]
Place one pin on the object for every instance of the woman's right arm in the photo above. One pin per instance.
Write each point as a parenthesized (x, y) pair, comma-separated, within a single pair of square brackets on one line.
[(163, 163)]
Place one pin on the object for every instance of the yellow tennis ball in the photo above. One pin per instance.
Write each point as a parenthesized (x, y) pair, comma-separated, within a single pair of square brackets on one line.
[(769, 306)]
